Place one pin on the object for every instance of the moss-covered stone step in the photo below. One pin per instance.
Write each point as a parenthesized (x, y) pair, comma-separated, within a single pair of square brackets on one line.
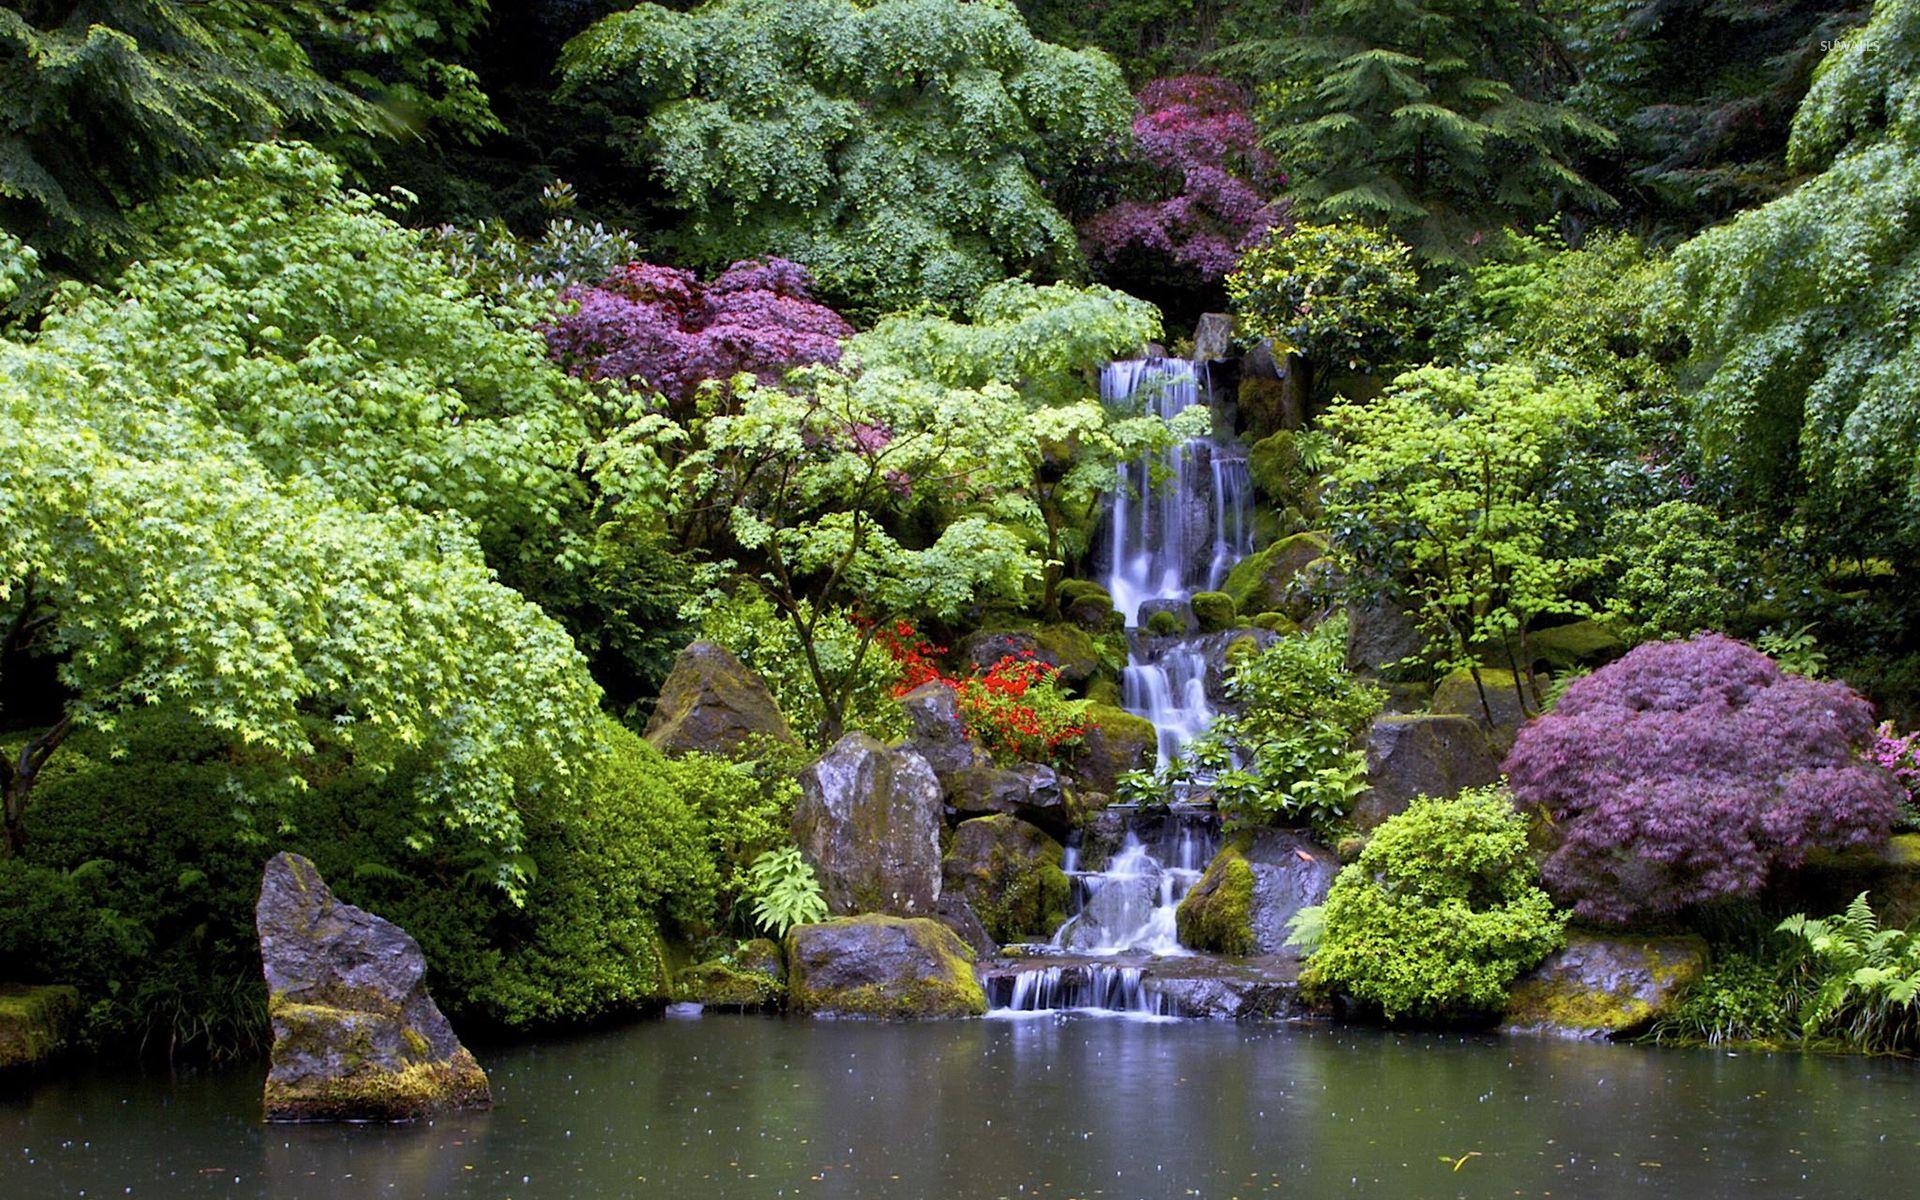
[(750, 977)]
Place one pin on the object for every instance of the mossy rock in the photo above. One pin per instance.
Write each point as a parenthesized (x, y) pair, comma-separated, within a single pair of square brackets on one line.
[(1276, 622), (1217, 914), (1889, 874), (1580, 644), (1163, 624), (749, 977), (1421, 755), (1089, 606), (377, 1068), (1080, 655), (1262, 581), (1214, 611), (1105, 693), (1116, 742), (1458, 695), (1242, 648), (712, 703), (35, 1024), (1602, 986), (1009, 873), (883, 967)]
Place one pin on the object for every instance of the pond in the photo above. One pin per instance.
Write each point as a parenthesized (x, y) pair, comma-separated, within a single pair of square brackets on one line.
[(1080, 1107)]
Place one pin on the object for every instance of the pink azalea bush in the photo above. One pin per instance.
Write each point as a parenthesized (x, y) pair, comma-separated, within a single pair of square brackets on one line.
[(1689, 772), (1214, 180), (659, 327)]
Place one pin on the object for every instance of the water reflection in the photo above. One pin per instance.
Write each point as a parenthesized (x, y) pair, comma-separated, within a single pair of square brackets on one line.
[(745, 1107)]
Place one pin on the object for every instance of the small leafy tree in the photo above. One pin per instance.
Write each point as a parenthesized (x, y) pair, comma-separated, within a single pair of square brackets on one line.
[(1212, 185), (899, 149), (1293, 727), (1689, 772), (810, 484), (659, 328), (1439, 915), (1443, 495)]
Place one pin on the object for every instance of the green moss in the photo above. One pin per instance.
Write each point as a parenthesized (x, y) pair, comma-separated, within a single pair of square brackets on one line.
[(1241, 647), (35, 1023), (1010, 873), (748, 976), (1553, 1001), (1214, 611), (1277, 469), (1217, 914), (1583, 643), (1258, 583), (1276, 622), (951, 990), (1105, 693), (1163, 624), (364, 1088)]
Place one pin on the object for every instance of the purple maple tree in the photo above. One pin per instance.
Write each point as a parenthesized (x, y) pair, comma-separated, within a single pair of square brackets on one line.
[(659, 327), (1691, 771), (1213, 182)]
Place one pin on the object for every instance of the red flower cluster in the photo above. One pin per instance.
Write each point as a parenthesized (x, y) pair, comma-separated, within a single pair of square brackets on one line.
[(1015, 708)]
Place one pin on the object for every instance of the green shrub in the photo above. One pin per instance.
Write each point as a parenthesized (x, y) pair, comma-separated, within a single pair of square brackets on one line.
[(743, 808), (1294, 731), (140, 875), (1441, 912), (1342, 295), (1741, 999)]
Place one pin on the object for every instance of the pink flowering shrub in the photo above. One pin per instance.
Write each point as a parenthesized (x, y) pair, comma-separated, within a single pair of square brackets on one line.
[(1213, 182), (658, 327), (1690, 771)]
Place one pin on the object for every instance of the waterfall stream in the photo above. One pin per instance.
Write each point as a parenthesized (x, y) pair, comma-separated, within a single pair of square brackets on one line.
[(1179, 522)]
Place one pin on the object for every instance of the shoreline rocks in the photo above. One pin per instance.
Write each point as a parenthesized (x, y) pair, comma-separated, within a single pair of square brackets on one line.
[(356, 1037), (881, 966), (36, 1022)]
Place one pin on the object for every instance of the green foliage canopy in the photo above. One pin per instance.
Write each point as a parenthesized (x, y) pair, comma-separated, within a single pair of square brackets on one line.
[(1801, 312), (1431, 117), (901, 150)]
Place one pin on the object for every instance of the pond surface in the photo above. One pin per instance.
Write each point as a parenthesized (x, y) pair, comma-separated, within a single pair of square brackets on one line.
[(761, 1107)]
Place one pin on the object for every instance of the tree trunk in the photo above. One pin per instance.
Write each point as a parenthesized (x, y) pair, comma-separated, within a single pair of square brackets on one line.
[(17, 778)]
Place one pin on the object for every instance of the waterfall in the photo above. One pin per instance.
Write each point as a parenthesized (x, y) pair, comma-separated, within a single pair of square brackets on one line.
[(1179, 522)]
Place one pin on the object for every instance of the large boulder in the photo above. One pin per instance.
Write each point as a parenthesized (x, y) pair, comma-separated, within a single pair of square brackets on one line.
[(1381, 638), (1029, 791), (1087, 605), (937, 730), (356, 1037), (1247, 899), (1263, 581), (869, 820), (1457, 695), (35, 1024), (881, 966), (1009, 874), (713, 704), (1600, 987), (1116, 742), (1889, 873), (1421, 755), (751, 976), (1587, 643)]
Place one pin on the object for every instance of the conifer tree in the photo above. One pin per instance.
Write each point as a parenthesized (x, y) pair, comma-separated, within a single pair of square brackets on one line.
[(1431, 117)]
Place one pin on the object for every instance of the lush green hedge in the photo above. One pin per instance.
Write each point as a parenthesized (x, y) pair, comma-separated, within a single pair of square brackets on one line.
[(140, 876)]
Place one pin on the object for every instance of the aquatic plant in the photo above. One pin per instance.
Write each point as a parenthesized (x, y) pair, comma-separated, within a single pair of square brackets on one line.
[(1693, 771)]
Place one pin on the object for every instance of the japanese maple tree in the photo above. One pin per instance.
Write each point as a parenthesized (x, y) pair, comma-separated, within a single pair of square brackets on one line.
[(1212, 185), (1689, 772), (659, 327)]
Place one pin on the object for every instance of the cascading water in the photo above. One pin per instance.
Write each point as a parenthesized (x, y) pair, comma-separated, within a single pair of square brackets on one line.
[(1179, 524)]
